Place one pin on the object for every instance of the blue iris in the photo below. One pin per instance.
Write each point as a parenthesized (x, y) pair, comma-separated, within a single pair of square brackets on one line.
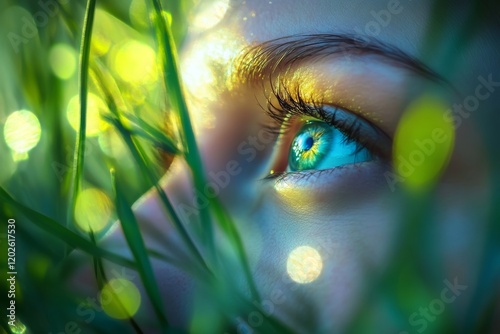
[(318, 145)]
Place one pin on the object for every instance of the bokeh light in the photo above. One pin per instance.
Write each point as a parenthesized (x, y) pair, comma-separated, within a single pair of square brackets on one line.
[(63, 60), (138, 13), (135, 63), (96, 108), (19, 26), (100, 44), (18, 328), (112, 144), (93, 210), (423, 142), (22, 131), (202, 75), (120, 298), (210, 14), (304, 264)]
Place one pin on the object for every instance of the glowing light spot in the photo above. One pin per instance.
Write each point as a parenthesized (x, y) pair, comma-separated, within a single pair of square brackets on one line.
[(423, 143), (167, 16), (62, 60), (202, 75), (135, 63), (304, 264), (138, 13), (112, 144), (22, 131), (210, 14), (100, 44), (96, 108), (93, 210), (18, 328), (120, 298)]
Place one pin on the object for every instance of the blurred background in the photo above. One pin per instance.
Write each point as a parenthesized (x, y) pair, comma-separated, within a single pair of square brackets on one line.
[(39, 122), (39, 119)]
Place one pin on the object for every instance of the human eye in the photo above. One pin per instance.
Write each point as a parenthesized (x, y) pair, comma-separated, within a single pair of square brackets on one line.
[(313, 137)]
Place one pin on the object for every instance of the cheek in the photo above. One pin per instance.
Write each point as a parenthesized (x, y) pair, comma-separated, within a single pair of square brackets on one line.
[(348, 223)]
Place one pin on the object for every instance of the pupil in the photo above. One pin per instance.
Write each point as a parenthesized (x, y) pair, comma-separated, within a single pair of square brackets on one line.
[(308, 143)]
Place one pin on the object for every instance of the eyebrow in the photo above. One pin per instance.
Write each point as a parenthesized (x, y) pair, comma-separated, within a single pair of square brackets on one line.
[(267, 59)]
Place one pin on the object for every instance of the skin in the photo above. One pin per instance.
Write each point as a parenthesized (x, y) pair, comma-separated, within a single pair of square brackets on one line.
[(347, 214)]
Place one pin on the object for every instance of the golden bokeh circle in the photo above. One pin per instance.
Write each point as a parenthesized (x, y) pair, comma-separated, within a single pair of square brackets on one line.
[(304, 264)]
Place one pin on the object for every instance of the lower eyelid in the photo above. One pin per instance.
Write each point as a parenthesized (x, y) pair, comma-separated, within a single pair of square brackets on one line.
[(315, 179)]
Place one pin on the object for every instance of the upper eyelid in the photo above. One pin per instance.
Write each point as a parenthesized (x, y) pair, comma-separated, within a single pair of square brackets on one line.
[(293, 102)]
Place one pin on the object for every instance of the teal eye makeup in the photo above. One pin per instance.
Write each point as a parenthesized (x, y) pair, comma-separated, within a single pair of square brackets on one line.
[(318, 145)]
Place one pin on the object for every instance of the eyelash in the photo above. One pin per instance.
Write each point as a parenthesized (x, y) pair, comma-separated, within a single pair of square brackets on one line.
[(290, 106)]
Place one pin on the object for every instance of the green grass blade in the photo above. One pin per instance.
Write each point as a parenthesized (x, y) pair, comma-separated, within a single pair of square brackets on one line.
[(63, 233), (98, 266), (150, 132), (173, 84), (136, 244), (229, 229), (6, 327), (140, 158), (102, 280), (83, 81)]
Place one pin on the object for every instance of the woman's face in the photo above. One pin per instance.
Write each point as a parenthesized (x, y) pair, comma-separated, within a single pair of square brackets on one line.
[(314, 199)]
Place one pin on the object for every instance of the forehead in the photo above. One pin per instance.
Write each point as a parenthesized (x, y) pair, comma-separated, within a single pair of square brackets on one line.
[(235, 24), (260, 20)]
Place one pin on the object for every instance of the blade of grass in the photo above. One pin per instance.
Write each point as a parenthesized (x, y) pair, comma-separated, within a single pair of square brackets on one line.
[(102, 280), (150, 132), (103, 76), (173, 84), (230, 230), (6, 327), (136, 244), (79, 155), (98, 267), (140, 158), (63, 233), (166, 47)]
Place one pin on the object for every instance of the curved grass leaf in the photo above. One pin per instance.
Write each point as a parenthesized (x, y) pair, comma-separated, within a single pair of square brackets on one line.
[(63, 233), (136, 244), (166, 47), (140, 159), (79, 156)]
